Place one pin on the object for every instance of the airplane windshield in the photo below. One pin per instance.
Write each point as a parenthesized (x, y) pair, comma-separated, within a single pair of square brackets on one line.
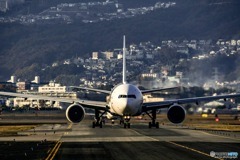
[(127, 96)]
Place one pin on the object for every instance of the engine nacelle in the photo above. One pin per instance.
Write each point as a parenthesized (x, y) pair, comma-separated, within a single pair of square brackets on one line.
[(176, 114), (75, 113)]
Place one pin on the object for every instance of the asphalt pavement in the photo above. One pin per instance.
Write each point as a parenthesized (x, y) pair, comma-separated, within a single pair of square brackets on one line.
[(66, 141)]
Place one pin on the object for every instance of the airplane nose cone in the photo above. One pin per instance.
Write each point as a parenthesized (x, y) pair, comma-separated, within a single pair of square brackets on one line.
[(129, 108), (126, 107)]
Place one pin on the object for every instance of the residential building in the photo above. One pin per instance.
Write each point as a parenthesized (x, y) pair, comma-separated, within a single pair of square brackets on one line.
[(23, 86), (108, 55), (238, 42), (94, 55), (4, 5), (150, 80), (13, 79), (7, 4), (233, 42), (8, 86)]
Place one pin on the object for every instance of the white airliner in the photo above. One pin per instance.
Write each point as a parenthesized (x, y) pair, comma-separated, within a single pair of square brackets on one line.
[(125, 100)]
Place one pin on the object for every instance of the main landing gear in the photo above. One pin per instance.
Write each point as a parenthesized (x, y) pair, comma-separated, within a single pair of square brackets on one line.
[(98, 120), (153, 117)]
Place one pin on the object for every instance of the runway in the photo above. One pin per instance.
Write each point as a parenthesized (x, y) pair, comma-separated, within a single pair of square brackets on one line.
[(66, 141), (139, 142)]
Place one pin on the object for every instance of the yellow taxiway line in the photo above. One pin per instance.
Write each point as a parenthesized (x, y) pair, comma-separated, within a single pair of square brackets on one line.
[(54, 151), (191, 149)]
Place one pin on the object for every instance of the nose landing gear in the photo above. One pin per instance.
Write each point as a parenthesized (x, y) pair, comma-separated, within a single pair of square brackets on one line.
[(126, 121)]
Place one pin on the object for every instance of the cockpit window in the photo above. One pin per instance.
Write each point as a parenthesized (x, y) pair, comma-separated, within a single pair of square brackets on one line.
[(127, 96)]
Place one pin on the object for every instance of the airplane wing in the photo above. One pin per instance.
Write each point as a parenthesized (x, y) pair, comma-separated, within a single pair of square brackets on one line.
[(155, 90), (108, 92), (165, 104), (91, 89), (85, 103)]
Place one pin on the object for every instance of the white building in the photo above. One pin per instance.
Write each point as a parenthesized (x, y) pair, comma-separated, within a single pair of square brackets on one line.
[(51, 90), (36, 80), (54, 87), (238, 42), (174, 79), (233, 42), (108, 55), (119, 56), (94, 55), (13, 79), (21, 102), (32, 103)]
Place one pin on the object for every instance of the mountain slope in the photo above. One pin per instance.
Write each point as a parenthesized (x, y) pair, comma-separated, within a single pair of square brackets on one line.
[(21, 46)]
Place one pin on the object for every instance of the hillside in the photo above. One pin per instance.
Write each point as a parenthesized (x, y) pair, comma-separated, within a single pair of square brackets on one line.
[(24, 45)]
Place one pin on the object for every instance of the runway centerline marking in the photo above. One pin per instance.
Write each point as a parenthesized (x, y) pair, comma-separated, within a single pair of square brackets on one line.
[(191, 149)]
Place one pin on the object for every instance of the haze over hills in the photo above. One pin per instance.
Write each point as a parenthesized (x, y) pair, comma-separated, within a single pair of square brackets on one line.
[(27, 47)]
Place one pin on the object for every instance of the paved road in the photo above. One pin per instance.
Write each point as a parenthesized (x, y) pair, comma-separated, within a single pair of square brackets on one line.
[(80, 141)]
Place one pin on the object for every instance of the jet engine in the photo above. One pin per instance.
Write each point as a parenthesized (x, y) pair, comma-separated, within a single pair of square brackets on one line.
[(75, 113), (176, 113)]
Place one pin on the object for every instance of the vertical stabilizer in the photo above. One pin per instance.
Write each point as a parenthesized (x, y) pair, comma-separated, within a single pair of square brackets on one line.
[(124, 60)]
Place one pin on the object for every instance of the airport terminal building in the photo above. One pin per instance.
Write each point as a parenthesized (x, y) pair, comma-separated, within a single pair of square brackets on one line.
[(36, 88)]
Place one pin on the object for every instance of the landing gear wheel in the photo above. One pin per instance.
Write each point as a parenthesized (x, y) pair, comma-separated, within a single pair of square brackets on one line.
[(100, 124), (93, 124), (149, 125), (128, 125), (125, 125)]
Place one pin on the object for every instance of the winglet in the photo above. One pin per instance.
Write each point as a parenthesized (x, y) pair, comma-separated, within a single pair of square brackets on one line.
[(124, 61)]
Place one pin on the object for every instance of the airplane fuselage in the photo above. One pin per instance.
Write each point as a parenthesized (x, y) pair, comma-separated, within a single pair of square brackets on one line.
[(126, 100)]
